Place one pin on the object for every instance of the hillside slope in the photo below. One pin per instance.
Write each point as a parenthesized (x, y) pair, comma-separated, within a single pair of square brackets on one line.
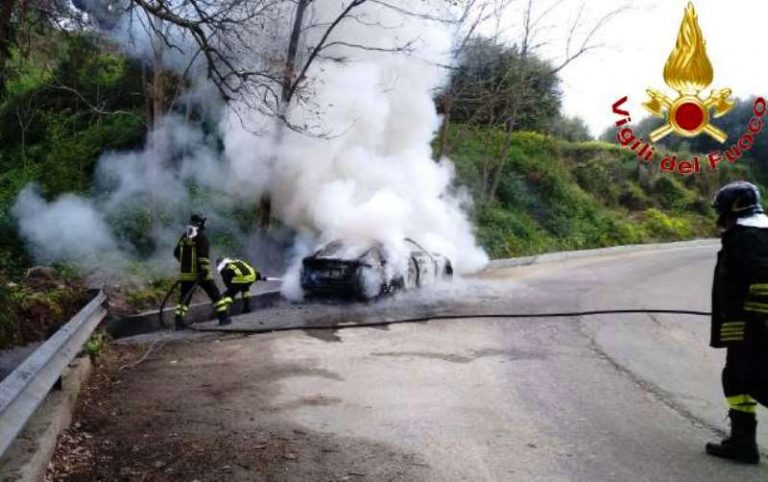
[(558, 195)]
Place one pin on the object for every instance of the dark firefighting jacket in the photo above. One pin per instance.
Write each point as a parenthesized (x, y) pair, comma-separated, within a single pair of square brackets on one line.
[(740, 288), (193, 257), (238, 272)]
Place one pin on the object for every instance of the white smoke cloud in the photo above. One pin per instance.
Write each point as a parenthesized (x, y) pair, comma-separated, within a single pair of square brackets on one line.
[(362, 173), (372, 176), (69, 229)]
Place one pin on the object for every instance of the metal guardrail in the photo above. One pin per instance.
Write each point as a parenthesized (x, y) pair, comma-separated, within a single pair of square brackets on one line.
[(26, 387)]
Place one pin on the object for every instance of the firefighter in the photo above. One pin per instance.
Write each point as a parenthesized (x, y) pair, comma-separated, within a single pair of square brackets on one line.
[(739, 315), (192, 254), (238, 276)]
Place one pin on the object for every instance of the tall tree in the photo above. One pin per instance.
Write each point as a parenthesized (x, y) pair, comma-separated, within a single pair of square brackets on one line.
[(221, 31), (508, 95)]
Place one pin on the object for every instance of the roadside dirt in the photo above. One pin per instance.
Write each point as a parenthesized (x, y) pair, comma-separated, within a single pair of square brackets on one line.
[(36, 307), (186, 413)]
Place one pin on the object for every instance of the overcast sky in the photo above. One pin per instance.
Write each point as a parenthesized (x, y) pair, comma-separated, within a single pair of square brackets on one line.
[(637, 44)]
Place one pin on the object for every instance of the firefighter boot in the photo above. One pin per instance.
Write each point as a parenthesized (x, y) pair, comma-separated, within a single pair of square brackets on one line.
[(246, 304), (741, 445), (178, 323), (224, 318)]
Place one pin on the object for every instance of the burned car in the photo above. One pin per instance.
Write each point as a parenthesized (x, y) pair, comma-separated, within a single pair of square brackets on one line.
[(365, 272)]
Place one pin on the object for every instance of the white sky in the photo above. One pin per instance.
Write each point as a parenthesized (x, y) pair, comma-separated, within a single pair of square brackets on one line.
[(637, 44)]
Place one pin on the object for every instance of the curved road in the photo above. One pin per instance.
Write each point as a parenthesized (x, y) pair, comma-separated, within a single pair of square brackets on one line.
[(609, 398)]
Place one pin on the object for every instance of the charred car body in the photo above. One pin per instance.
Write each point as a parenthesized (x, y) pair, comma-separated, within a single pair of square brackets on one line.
[(365, 272)]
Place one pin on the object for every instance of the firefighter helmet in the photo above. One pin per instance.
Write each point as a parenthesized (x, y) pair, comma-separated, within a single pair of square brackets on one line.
[(197, 221), (222, 263), (736, 200)]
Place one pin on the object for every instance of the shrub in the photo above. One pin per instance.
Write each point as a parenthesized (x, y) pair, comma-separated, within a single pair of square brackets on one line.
[(666, 228), (671, 194), (149, 295), (633, 197), (509, 233), (37, 307)]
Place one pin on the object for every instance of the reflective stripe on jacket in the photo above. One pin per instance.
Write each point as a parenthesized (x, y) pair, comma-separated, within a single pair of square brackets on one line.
[(740, 288), (192, 254), (239, 272)]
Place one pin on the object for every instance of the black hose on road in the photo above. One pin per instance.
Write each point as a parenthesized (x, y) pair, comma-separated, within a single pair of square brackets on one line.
[(421, 319)]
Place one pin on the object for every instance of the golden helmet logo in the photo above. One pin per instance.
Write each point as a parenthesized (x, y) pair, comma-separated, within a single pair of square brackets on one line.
[(689, 71)]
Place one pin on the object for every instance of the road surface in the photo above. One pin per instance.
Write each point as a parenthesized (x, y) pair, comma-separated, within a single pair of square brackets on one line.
[(608, 398)]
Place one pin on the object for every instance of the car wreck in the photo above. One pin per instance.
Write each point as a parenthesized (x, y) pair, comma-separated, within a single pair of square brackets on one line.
[(367, 271)]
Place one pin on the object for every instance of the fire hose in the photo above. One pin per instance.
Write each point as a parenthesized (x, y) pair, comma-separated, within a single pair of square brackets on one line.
[(188, 298), (425, 318), (419, 319), (184, 302)]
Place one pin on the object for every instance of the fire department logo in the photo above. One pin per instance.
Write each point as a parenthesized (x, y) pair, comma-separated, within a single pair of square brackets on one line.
[(689, 71)]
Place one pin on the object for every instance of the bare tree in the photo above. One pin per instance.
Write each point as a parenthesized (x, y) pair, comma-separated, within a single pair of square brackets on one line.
[(25, 115), (501, 104), (475, 13), (219, 37), (222, 30)]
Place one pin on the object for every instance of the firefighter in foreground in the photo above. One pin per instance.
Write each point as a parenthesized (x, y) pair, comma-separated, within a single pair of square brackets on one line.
[(238, 276), (192, 252), (740, 313)]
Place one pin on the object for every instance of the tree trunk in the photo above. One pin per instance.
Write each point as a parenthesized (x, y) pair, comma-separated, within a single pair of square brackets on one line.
[(442, 145), (146, 87), (158, 89), (152, 75), (293, 47), (6, 37), (500, 165), (23, 129), (486, 179), (265, 203), (510, 122)]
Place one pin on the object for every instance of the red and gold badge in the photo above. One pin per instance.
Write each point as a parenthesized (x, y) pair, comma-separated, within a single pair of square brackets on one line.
[(689, 71)]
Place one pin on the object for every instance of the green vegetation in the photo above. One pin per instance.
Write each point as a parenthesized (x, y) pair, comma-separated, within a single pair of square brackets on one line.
[(95, 344), (61, 109), (150, 295), (539, 184), (65, 100), (35, 308), (560, 195), (67, 97)]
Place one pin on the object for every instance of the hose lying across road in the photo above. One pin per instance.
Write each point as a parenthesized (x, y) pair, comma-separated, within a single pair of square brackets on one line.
[(421, 319)]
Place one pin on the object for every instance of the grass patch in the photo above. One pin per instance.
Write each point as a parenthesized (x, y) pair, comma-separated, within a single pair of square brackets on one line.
[(557, 195)]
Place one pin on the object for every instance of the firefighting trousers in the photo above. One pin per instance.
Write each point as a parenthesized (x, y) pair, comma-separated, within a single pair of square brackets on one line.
[(745, 377), (210, 289), (245, 291)]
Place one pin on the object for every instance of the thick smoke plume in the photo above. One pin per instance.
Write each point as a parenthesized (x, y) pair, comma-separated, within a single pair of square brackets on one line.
[(360, 171)]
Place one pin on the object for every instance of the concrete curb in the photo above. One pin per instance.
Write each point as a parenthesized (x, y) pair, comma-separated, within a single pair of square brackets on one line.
[(590, 253), (27, 458), (150, 321)]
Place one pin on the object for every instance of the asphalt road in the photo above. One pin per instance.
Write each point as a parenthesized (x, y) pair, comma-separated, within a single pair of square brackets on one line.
[(608, 398)]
